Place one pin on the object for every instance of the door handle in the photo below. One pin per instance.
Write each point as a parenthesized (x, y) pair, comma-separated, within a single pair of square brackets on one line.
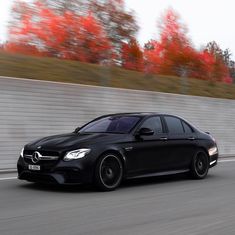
[(191, 138), (164, 138)]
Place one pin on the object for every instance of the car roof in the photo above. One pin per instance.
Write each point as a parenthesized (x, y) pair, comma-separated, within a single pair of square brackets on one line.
[(142, 114), (146, 114)]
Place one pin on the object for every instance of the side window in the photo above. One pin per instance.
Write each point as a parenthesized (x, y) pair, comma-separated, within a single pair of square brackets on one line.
[(174, 125), (187, 128), (153, 123)]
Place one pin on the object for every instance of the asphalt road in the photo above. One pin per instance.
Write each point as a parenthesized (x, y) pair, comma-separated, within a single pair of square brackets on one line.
[(156, 206)]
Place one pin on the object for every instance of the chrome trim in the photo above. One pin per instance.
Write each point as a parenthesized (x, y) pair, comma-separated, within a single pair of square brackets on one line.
[(36, 157), (43, 158), (212, 162), (129, 148), (27, 156), (49, 158)]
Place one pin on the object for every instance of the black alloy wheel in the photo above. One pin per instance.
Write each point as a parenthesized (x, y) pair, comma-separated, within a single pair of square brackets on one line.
[(200, 165), (108, 173)]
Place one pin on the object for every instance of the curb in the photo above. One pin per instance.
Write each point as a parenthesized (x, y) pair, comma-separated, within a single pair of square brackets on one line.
[(6, 171), (226, 156)]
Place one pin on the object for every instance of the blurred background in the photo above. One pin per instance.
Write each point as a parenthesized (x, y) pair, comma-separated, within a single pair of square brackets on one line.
[(119, 37), (129, 55)]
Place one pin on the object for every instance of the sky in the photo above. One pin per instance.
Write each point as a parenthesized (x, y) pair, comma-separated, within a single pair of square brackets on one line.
[(5, 6), (207, 20)]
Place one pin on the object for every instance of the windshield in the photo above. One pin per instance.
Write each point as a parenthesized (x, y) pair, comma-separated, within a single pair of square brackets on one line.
[(120, 124)]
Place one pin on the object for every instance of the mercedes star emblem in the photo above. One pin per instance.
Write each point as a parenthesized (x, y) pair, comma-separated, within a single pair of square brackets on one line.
[(36, 157)]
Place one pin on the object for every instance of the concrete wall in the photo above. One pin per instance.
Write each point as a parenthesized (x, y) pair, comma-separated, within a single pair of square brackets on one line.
[(32, 109)]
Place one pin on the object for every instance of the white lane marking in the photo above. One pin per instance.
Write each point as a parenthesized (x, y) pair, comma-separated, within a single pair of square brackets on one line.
[(9, 178), (229, 160)]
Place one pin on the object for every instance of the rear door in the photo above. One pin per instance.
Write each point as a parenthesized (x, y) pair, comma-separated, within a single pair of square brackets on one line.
[(181, 143)]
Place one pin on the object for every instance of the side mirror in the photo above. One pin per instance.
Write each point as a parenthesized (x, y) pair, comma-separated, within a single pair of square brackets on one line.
[(77, 129), (145, 132)]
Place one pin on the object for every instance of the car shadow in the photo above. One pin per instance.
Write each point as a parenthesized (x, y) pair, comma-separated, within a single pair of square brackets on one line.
[(58, 188), (155, 180), (129, 183), (167, 179)]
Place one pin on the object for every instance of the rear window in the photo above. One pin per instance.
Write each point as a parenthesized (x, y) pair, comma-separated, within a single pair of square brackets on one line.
[(174, 125), (187, 128)]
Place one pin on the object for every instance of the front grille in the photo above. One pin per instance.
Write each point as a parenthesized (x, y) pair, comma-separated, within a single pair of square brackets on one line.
[(47, 159), (42, 152), (46, 165)]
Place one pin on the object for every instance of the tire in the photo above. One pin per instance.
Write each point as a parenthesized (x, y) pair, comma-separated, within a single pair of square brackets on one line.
[(200, 165), (108, 172)]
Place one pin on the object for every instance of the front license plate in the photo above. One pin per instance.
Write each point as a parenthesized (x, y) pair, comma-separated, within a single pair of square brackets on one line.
[(34, 167)]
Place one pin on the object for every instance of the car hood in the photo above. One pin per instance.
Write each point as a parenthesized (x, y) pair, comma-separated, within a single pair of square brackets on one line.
[(74, 140)]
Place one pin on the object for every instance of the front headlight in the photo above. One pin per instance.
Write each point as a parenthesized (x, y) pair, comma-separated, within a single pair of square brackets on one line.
[(76, 154), (213, 151), (22, 152)]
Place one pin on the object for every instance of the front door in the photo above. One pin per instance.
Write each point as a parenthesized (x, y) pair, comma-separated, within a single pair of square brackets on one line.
[(149, 152)]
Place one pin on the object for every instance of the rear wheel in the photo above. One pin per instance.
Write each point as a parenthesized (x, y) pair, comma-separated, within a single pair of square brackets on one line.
[(108, 172), (200, 165)]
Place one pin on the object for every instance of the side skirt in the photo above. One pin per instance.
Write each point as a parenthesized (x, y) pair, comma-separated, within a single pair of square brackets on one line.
[(159, 174)]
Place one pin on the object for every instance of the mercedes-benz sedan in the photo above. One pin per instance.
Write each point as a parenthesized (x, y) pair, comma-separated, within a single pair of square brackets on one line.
[(115, 147)]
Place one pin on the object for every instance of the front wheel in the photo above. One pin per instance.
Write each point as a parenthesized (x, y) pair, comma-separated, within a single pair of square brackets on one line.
[(200, 165), (108, 172)]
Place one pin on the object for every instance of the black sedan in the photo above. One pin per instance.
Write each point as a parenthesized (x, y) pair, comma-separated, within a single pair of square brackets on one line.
[(115, 147)]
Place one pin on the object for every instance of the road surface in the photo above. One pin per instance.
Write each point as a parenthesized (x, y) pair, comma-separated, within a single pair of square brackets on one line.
[(164, 206)]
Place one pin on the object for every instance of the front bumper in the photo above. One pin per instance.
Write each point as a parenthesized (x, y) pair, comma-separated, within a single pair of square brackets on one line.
[(214, 160), (73, 172)]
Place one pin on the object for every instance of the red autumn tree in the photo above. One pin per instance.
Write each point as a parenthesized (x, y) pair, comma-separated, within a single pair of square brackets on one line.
[(94, 45), (171, 53), (64, 35), (174, 54), (21, 48), (119, 23), (152, 56), (114, 22), (219, 68), (210, 65), (132, 56)]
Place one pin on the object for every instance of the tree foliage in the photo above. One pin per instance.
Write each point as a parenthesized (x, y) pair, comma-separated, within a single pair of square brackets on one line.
[(101, 31), (132, 56), (174, 54), (119, 24), (61, 6), (64, 35), (47, 24)]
